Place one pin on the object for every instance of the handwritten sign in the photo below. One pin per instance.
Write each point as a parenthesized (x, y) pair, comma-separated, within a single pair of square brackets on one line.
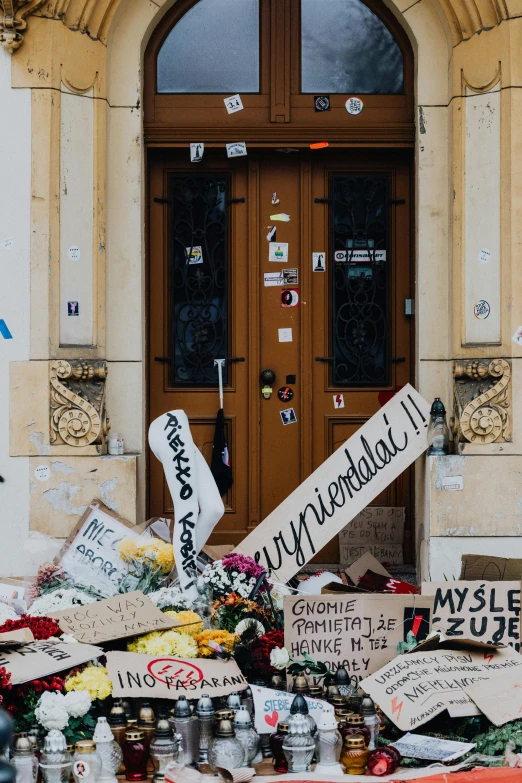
[(485, 611), (504, 709), (503, 569), (415, 687), (342, 486), (358, 631), (167, 677), (376, 529), (39, 659), (92, 546), (271, 707), (115, 618)]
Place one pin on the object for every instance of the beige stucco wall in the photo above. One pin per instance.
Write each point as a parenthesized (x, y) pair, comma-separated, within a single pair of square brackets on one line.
[(468, 121)]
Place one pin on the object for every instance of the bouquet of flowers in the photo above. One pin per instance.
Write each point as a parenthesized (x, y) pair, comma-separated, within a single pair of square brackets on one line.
[(233, 613), (150, 561), (54, 590), (234, 573)]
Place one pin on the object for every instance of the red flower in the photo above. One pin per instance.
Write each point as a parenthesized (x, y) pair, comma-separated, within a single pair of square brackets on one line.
[(5, 679), (261, 649), (42, 627)]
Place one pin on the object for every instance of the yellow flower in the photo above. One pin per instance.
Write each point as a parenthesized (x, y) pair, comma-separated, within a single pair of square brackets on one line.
[(94, 679), (161, 553), (223, 638), (127, 549), (164, 643), (165, 557), (185, 617)]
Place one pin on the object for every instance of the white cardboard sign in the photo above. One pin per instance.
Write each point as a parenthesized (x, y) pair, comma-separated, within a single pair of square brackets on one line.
[(41, 658), (342, 486), (272, 706), (167, 677), (413, 688)]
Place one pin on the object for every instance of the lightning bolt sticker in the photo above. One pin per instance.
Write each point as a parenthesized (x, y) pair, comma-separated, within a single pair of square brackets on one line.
[(396, 708)]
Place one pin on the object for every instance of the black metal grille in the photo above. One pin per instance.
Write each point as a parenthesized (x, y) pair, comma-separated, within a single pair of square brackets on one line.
[(198, 289), (360, 296)]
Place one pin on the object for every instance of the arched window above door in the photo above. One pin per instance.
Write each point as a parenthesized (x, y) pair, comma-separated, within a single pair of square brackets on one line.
[(278, 55), (213, 48)]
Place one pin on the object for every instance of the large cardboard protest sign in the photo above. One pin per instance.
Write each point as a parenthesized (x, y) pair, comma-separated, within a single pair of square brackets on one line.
[(114, 618), (342, 486), (487, 612), (39, 659), (500, 699), (271, 707), (377, 529), (167, 677), (91, 547), (357, 630), (415, 687)]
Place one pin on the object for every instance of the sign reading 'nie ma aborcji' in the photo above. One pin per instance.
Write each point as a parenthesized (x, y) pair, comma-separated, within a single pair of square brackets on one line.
[(342, 486)]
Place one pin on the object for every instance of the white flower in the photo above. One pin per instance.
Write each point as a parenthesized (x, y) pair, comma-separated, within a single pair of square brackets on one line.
[(68, 638), (77, 703), (63, 598), (248, 622), (169, 596), (50, 711), (279, 658)]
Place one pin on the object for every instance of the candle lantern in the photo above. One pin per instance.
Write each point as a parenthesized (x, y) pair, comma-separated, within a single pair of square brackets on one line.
[(298, 745), (87, 763), (55, 760), (371, 721), (328, 744), (276, 746), (438, 432), (383, 761), (247, 736), (354, 755), (184, 723), (24, 759), (109, 751), (224, 749), (205, 713), (300, 707), (135, 755), (163, 749)]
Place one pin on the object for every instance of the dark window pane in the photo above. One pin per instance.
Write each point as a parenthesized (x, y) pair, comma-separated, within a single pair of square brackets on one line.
[(345, 48), (360, 296), (213, 48), (198, 279)]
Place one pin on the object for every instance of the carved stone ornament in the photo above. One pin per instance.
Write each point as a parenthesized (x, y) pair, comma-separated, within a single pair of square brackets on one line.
[(13, 23), (78, 414), (482, 401)]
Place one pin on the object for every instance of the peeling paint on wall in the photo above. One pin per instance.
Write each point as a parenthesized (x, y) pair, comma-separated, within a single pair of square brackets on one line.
[(449, 466), (106, 487), (62, 467), (38, 441), (60, 498)]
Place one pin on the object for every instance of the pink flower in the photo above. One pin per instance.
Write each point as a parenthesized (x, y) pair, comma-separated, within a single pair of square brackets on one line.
[(243, 565)]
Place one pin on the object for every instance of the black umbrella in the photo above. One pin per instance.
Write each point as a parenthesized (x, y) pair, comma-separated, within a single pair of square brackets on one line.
[(220, 463)]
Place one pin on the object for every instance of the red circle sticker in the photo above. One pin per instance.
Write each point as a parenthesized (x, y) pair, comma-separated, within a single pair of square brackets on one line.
[(171, 670)]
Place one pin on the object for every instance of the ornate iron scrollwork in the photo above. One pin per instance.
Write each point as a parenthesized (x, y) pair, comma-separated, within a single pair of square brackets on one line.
[(360, 281), (482, 401), (198, 279), (78, 415)]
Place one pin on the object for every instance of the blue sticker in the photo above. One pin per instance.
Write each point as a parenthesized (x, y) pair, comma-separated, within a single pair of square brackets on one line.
[(4, 331)]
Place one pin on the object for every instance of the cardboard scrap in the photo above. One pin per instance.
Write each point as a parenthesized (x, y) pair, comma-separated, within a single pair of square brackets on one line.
[(486, 611), (167, 677), (39, 659), (415, 687), (272, 706), (375, 525), (502, 569), (353, 629), (500, 699), (366, 562), (119, 617), (391, 554), (16, 638)]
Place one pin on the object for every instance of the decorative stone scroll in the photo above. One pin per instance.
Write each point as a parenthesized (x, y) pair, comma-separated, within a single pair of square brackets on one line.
[(13, 23), (482, 397), (78, 413)]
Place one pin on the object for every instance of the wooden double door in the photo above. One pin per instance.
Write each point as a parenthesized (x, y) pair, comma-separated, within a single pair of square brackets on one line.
[(328, 315)]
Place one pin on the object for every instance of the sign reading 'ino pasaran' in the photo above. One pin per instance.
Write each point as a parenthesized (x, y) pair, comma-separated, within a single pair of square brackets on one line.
[(342, 486)]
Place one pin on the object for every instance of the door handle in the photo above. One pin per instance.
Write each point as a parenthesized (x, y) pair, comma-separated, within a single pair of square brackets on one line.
[(325, 358), (162, 359), (397, 359), (267, 378)]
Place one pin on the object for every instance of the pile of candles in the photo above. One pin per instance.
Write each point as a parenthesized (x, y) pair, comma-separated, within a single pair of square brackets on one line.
[(220, 735)]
